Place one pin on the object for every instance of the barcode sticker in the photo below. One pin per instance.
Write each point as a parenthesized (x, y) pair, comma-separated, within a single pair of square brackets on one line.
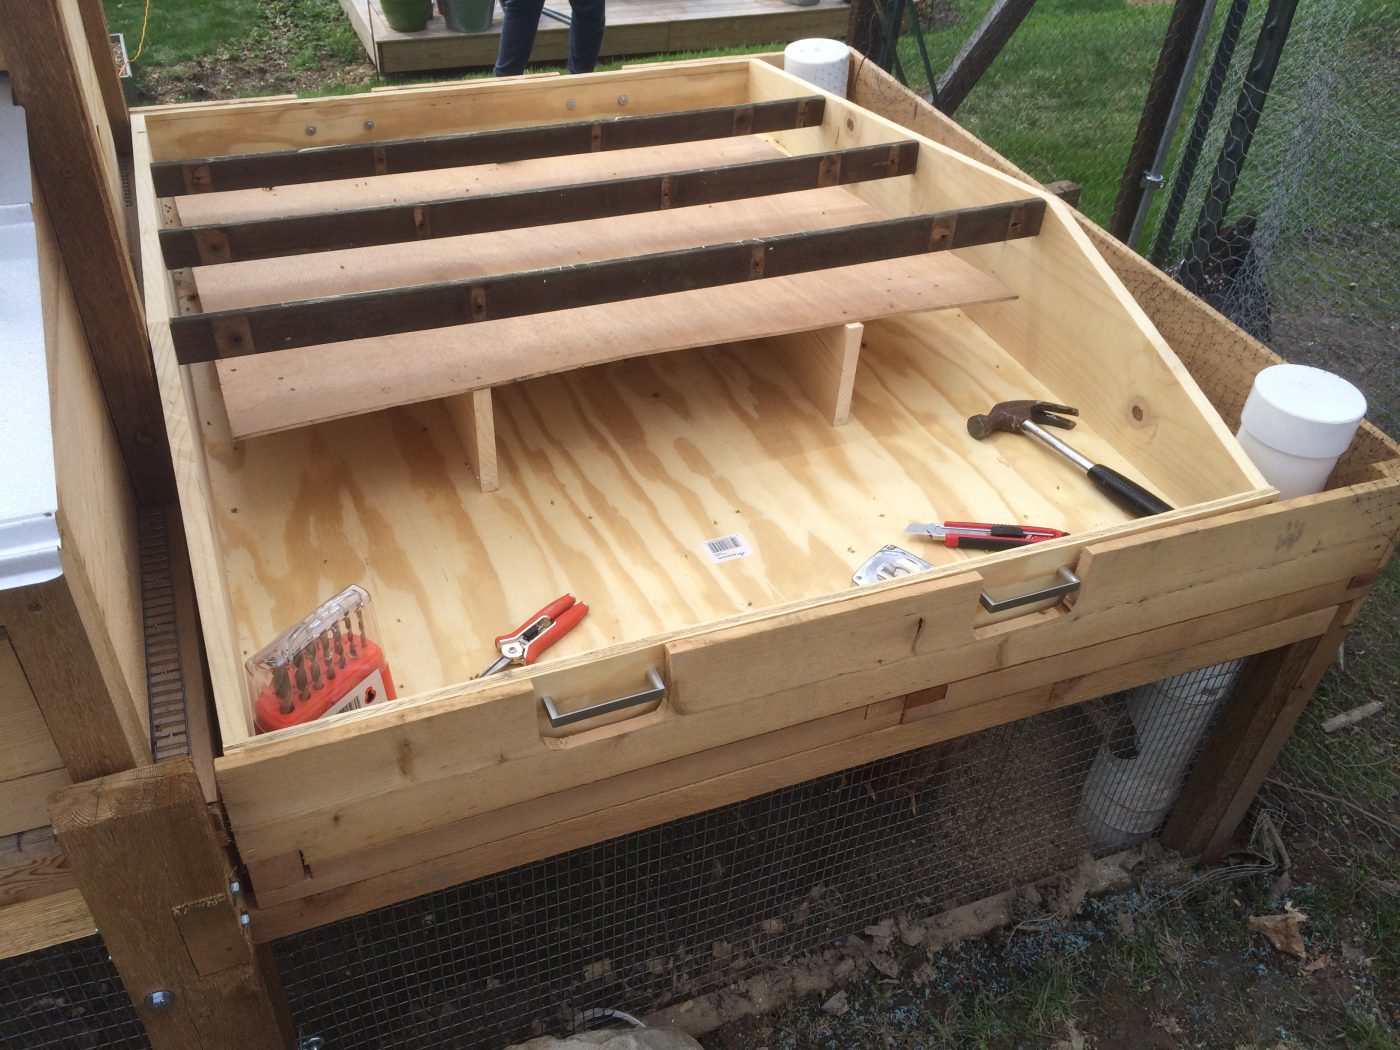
[(723, 548), (367, 691)]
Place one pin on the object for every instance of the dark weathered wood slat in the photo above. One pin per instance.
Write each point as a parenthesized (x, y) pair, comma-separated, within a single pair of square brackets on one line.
[(362, 227), (360, 160), (312, 322)]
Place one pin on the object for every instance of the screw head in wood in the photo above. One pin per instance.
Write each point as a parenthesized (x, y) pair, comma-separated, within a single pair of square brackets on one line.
[(622, 100), (369, 125), (570, 104), (311, 129), (160, 999)]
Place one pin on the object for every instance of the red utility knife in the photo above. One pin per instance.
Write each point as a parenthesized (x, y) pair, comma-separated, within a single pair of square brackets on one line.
[(538, 633), (982, 536)]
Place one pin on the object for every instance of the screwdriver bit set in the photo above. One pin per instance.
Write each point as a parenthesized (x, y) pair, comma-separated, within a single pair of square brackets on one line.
[(327, 663)]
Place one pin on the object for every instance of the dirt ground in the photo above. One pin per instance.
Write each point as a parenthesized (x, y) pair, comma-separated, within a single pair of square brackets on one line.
[(1142, 967)]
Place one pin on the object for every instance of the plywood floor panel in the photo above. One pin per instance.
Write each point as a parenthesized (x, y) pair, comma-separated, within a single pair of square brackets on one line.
[(611, 480)]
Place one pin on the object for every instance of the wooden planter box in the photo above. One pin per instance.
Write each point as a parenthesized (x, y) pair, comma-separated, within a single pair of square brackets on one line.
[(467, 458)]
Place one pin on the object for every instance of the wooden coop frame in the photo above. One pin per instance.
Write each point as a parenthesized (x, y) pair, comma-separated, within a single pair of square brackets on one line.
[(1235, 575)]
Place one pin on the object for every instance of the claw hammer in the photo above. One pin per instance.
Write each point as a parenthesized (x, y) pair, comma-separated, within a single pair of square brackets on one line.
[(1031, 417)]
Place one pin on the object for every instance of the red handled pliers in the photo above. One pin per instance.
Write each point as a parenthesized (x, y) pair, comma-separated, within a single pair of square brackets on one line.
[(981, 536), (538, 633)]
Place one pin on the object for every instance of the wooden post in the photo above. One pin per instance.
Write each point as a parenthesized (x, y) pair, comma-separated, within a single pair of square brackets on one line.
[(76, 679), (863, 27), (75, 177), (108, 80), (980, 51), (155, 875), (1253, 729)]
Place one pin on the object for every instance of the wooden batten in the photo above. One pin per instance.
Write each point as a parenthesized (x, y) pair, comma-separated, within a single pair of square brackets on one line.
[(246, 331), (393, 157), (489, 212)]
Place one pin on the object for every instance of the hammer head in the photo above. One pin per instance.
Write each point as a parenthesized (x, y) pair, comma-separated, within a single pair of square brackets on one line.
[(1010, 415)]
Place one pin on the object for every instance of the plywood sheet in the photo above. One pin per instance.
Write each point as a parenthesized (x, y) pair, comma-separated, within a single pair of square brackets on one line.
[(612, 478)]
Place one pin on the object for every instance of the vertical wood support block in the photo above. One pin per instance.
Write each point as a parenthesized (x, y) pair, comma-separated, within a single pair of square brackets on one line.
[(1253, 729), (108, 81), (76, 680), (156, 878), (823, 361), (472, 418), (68, 156)]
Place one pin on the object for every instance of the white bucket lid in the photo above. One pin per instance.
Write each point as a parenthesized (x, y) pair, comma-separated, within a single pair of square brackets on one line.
[(817, 50), (1303, 411)]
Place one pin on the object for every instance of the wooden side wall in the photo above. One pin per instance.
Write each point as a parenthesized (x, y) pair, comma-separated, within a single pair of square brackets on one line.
[(96, 509)]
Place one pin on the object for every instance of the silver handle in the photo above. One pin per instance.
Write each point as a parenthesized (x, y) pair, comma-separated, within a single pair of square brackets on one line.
[(1069, 586), (607, 707)]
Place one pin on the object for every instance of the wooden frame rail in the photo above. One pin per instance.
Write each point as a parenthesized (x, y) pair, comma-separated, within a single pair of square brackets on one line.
[(313, 322), (204, 245), (261, 170)]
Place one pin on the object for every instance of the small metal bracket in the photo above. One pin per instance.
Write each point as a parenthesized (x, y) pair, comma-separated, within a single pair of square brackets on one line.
[(888, 563)]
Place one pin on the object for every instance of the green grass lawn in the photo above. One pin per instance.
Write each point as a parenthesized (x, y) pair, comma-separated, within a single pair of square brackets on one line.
[(1062, 100), (236, 48)]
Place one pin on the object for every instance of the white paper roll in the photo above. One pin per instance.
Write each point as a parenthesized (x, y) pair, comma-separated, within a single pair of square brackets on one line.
[(822, 62)]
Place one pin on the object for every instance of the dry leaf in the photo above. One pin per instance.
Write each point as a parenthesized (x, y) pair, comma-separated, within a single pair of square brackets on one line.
[(1073, 1041), (1322, 961), (1283, 931)]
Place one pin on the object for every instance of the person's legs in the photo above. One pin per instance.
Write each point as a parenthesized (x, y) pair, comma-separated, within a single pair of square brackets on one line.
[(520, 19), (585, 34)]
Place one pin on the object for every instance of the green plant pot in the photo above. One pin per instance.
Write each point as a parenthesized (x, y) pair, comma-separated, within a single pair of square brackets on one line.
[(407, 16), (468, 16)]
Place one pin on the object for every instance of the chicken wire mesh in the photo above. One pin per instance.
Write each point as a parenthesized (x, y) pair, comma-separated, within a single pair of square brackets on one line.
[(660, 916), (67, 997), (1284, 211)]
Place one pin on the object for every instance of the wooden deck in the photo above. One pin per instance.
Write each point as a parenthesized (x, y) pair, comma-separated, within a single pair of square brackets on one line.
[(635, 27)]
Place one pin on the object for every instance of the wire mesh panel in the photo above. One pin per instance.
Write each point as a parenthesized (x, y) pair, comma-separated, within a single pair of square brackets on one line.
[(67, 997), (663, 915), (1284, 212)]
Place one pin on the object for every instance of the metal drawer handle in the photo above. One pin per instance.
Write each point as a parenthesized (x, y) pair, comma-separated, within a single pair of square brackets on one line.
[(1069, 586), (607, 707)]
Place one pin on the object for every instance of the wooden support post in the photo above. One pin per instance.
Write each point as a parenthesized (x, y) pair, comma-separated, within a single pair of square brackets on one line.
[(980, 51), (823, 361), (863, 28), (108, 80), (475, 424), (76, 680), (67, 154), (156, 877), (1253, 729)]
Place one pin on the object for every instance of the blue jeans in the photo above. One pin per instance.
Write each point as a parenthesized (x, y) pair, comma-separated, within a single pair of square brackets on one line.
[(522, 18)]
